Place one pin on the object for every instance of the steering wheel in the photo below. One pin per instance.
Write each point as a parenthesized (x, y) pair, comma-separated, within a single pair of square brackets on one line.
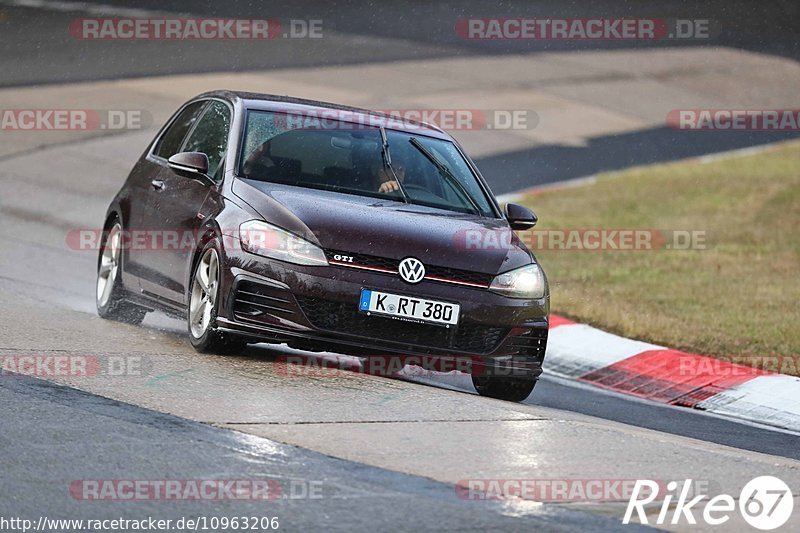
[(422, 192), (415, 187)]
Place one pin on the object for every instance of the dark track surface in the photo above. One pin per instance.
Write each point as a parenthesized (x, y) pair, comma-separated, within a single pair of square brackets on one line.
[(38, 48), (81, 436), (547, 164)]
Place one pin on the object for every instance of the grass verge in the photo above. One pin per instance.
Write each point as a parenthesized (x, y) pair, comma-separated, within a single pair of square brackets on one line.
[(737, 298)]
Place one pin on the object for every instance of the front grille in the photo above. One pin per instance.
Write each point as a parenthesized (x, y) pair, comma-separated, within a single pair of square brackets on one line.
[(532, 343), (452, 274), (344, 318), (254, 300)]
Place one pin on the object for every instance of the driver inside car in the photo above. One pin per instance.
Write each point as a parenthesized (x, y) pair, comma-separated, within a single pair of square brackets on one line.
[(254, 162), (386, 181)]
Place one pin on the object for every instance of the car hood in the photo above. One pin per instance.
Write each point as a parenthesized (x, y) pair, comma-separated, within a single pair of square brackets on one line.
[(390, 229)]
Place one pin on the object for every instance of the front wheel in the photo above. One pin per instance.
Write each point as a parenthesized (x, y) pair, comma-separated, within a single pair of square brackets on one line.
[(511, 389), (201, 314)]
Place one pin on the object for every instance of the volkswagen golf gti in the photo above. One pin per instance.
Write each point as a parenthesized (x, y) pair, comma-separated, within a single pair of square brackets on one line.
[(260, 218)]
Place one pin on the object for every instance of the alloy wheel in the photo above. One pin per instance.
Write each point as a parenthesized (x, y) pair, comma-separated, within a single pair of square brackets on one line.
[(109, 266), (204, 293)]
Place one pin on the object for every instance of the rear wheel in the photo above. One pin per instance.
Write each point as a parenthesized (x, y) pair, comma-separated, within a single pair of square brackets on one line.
[(110, 295), (512, 389), (201, 314)]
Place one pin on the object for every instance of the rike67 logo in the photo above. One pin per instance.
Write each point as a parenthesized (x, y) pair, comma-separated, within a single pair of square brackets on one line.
[(765, 503)]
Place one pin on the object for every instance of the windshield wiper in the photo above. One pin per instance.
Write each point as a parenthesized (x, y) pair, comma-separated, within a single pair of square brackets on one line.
[(387, 161), (444, 171)]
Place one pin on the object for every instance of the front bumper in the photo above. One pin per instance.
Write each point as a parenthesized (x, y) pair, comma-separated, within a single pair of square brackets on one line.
[(317, 308)]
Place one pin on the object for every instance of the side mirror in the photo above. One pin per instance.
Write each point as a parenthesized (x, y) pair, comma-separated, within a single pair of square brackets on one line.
[(193, 165), (520, 217)]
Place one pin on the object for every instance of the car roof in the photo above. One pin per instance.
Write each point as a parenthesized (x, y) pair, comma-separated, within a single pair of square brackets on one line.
[(316, 108)]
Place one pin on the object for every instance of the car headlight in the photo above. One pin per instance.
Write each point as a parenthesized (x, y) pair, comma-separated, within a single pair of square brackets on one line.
[(524, 282), (258, 237)]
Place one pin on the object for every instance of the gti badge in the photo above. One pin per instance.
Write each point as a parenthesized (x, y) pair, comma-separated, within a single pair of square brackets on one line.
[(412, 270)]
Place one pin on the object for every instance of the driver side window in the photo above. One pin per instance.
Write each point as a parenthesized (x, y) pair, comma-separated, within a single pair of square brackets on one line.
[(170, 142), (210, 135)]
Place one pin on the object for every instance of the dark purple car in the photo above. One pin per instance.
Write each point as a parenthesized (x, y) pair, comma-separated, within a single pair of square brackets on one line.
[(261, 218)]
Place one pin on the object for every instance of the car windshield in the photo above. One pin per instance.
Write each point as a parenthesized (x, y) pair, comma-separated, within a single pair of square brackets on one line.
[(350, 158)]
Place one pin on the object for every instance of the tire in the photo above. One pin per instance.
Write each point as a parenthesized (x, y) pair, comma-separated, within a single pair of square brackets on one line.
[(511, 389), (110, 296), (201, 312)]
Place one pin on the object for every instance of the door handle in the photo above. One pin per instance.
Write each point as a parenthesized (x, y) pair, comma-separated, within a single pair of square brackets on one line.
[(157, 185)]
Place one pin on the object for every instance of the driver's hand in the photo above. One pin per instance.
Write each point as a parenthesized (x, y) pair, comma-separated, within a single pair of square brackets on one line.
[(388, 186)]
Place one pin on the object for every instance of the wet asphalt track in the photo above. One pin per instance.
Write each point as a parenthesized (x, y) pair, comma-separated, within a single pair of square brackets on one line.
[(373, 426), (106, 439)]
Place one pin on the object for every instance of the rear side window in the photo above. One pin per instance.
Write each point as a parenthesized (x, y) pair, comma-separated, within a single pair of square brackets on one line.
[(170, 142), (210, 136)]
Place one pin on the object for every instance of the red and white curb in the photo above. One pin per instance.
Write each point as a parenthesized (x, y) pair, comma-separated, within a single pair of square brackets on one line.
[(586, 354)]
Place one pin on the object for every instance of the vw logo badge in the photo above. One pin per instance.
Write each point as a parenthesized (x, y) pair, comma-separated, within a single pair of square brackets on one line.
[(412, 270)]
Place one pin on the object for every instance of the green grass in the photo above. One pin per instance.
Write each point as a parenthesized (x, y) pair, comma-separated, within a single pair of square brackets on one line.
[(738, 297)]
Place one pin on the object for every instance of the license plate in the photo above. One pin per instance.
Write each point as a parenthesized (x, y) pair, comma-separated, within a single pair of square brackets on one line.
[(409, 308)]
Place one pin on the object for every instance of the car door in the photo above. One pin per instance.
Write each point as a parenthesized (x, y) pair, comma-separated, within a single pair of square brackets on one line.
[(145, 191), (177, 210)]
